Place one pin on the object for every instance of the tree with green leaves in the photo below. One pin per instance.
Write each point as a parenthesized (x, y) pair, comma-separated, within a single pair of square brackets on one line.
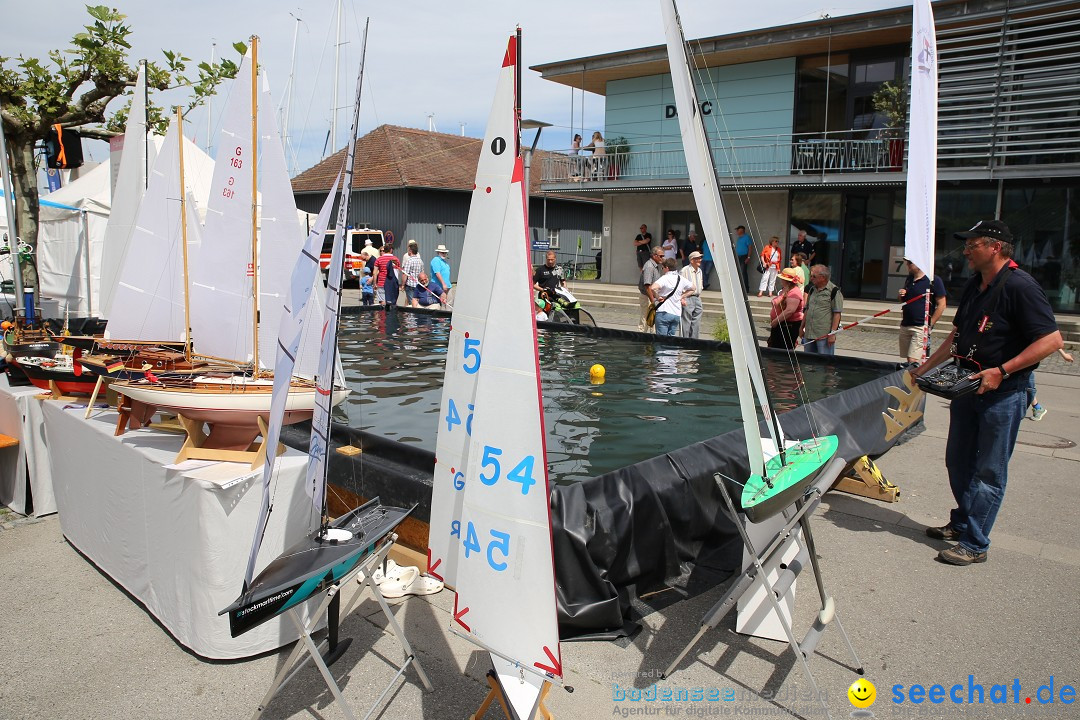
[(74, 89)]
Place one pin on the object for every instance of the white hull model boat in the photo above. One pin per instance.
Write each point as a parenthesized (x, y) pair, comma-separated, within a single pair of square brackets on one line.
[(227, 299)]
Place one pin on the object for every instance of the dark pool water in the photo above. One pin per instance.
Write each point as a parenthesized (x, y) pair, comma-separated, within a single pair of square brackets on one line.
[(655, 398)]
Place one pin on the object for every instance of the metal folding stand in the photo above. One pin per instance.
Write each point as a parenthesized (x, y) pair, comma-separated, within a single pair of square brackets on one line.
[(307, 649), (757, 571)]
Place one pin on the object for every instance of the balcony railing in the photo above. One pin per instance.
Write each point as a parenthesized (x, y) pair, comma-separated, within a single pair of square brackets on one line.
[(772, 155)]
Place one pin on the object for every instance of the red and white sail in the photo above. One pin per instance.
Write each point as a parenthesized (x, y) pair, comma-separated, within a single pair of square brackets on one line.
[(490, 535)]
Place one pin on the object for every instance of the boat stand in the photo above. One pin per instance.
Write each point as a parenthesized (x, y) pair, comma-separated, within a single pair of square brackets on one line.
[(307, 649), (757, 571), (496, 693), (193, 449)]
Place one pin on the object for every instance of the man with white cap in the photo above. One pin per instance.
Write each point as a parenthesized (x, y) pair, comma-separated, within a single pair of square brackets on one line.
[(691, 311), (440, 272)]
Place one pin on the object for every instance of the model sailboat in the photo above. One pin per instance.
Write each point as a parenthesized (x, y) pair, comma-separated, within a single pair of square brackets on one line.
[(332, 549), (239, 280), (777, 481), (490, 533)]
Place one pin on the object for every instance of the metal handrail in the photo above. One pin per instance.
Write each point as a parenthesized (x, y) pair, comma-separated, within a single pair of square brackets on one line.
[(779, 154)]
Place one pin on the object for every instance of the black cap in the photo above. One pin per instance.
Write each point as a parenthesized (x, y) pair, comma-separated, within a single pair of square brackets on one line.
[(993, 229)]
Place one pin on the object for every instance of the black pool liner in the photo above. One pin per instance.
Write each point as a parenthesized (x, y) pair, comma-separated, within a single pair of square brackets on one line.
[(633, 530)]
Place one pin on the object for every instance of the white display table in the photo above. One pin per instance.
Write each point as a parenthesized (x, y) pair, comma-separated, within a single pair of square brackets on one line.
[(20, 418), (176, 540)]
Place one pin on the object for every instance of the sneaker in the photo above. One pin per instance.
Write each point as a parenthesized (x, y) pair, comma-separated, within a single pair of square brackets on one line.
[(948, 532), (960, 555), (1037, 413)]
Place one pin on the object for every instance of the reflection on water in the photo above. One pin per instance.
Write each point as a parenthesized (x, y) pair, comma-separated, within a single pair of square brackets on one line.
[(655, 399)]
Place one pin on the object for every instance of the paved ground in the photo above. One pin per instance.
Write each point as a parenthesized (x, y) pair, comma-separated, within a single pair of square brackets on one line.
[(75, 646)]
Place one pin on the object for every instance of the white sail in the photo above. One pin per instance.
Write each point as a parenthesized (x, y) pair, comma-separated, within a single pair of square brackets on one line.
[(922, 142), (293, 320), (221, 272), (744, 354), (319, 443), (280, 239), (149, 298), (128, 192), (490, 197), (490, 516)]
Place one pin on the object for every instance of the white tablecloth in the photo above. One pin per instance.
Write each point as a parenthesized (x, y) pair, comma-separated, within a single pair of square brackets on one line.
[(176, 540), (20, 417)]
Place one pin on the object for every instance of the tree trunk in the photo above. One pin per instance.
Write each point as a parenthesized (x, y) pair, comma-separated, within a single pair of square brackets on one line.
[(24, 177)]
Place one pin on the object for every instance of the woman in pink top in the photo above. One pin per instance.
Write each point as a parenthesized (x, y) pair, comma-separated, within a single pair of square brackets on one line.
[(787, 310)]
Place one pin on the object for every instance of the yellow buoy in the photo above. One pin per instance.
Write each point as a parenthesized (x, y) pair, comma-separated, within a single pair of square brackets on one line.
[(597, 371)]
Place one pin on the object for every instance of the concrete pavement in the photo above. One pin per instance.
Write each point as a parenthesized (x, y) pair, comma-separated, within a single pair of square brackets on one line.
[(75, 646)]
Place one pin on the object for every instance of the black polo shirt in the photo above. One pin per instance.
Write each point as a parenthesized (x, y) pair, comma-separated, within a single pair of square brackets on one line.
[(1022, 316), (805, 247), (914, 313), (547, 278)]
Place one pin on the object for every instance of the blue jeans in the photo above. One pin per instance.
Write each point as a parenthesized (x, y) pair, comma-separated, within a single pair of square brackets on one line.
[(667, 324), (982, 435), (821, 347)]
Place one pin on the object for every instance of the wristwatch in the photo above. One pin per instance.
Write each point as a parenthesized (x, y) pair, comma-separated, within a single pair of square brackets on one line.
[(1004, 375)]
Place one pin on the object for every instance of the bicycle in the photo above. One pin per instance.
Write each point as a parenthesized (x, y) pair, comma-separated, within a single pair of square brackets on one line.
[(567, 309)]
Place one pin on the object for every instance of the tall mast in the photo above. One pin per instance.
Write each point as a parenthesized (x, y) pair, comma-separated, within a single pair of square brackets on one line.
[(340, 238), (337, 82), (287, 107), (209, 102), (517, 93), (183, 234), (255, 205)]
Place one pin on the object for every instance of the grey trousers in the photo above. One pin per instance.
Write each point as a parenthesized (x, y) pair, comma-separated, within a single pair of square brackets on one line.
[(691, 317)]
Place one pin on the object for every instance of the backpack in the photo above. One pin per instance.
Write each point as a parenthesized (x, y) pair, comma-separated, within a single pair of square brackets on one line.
[(832, 296)]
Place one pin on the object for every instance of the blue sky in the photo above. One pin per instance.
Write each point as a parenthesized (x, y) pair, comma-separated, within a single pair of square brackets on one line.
[(423, 56)]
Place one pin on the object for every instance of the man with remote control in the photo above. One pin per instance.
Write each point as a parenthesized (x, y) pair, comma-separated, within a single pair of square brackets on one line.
[(1003, 327)]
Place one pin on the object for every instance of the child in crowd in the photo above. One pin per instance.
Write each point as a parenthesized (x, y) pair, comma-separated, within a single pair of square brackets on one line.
[(367, 291)]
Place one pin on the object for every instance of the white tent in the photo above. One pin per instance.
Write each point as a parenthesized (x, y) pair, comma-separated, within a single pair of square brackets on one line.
[(67, 263)]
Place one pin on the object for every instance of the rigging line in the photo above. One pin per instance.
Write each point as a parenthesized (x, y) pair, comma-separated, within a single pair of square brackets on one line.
[(745, 203), (314, 88)]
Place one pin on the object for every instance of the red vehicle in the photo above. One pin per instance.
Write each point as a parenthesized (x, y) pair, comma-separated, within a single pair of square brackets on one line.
[(356, 240)]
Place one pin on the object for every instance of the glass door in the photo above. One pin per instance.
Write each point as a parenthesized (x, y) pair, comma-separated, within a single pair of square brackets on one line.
[(868, 221)]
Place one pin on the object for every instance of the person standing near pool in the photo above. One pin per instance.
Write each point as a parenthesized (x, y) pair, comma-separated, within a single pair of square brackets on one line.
[(743, 243), (440, 272), (1004, 325), (671, 291)]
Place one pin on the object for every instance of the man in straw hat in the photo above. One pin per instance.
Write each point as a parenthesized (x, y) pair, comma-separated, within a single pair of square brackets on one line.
[(440, 272)]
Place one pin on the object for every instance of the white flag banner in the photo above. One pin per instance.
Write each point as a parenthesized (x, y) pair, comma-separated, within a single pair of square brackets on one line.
[(922, 142)]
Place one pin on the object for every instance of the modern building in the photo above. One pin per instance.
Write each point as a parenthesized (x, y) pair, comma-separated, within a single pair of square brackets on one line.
[(418, 185), (808, 134)]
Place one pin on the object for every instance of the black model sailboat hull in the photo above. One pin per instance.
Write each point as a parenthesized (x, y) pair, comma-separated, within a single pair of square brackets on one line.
[(311, 565)]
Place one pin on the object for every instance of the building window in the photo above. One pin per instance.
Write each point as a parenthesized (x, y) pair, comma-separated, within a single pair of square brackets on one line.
[(553, 239), (596, 241)]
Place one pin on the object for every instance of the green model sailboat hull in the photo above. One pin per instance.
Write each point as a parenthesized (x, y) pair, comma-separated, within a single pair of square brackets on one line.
[(787, 480)]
